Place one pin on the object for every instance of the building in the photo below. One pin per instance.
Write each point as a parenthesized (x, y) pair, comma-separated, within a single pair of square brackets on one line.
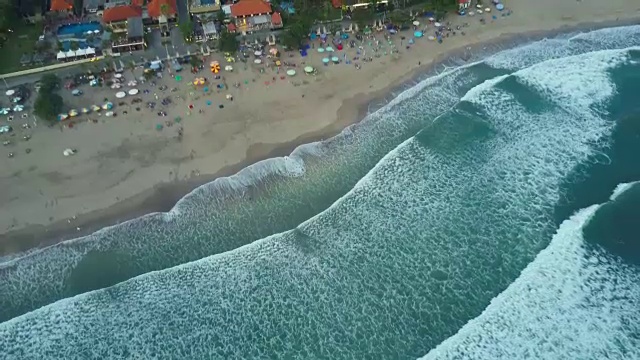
[(135, 37), (162, 10), (61, 5), (255, 15), (204, 6), (116, 17)]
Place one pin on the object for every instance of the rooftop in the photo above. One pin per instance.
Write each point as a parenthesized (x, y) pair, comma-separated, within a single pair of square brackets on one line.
[(155, 7), (250, 8), (61, 5), (121, 13), (134, 27)]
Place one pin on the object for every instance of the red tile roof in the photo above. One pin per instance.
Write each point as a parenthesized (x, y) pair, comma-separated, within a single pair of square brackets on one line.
[(276, 19), (231, 27), (137, 2), (154, 8), (121, 13), (250, 8), (61, 5)]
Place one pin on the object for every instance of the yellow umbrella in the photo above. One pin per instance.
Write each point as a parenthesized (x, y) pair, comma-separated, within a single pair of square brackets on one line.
[(73, 112)]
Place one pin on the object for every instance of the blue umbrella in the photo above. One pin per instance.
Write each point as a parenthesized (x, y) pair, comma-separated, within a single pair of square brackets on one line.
[(500, 7), (208, 102), (417, 34), (206, 89)]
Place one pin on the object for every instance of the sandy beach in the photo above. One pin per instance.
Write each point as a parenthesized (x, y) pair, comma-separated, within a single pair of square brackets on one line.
[(125, 167)]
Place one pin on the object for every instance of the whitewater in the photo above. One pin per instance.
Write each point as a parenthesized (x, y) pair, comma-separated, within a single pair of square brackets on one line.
[(432, 227)]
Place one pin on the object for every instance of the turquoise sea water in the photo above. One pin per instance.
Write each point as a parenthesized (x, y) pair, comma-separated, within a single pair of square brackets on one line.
[(448, 224)]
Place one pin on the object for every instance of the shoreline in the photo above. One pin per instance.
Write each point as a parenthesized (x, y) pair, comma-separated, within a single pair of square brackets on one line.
[(163, 196)]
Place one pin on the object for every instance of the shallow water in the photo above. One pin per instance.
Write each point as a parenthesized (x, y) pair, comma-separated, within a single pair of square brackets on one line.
[(442, 225)]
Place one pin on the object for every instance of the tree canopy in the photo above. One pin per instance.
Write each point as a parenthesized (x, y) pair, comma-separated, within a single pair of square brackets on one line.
[(228, 42), (49, 103)]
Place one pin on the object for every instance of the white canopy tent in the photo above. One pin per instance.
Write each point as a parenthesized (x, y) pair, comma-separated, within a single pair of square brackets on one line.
[(61, 55), (90, 51), (81, 52), (70, 54)]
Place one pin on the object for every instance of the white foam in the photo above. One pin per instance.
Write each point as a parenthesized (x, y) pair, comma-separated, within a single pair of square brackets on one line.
[(559, 47), (570, 302), (478, 91), (621, 188)]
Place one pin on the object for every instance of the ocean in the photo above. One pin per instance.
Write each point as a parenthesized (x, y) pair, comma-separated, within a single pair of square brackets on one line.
[(490, 210)]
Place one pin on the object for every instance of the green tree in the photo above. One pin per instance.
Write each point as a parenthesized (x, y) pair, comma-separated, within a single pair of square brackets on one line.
[(164, 9), (49, 83), (48, 105), (8, 15), (186, 28), (221, 16), (362, 18), (195, 61), (228, 42), (74, 45)]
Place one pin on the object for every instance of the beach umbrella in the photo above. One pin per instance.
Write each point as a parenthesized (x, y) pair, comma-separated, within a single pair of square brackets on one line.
[(18, 108), (62, 117), (132, 83), (479, 11), (325, 60), (431, 37), (208, 102), (432, 19), (229, 97), (178, 78), (85, 110), (273, 51), (16, 99), (335, 59), (75, 92), (257, 61), (10, 92), (500, 7), (308, 69), (177, 119), (73, 112), (121, 94), (108, 106), (228, 68), (320, 50), (416, 23), (487, 10), (133, 92), (95, 108), (257, 53), (5, 111), (329, 49), (437, 24), (291, 72), (417, 34), (205, 89), (117, 76), (109, 114)]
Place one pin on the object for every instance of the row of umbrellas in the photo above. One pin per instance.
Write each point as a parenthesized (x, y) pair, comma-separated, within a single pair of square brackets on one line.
[(74, 112), (122, 94), (7, 111), (334, 59)]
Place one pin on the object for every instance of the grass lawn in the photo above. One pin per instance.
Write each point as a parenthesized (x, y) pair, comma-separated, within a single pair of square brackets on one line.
[(21, 41)]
